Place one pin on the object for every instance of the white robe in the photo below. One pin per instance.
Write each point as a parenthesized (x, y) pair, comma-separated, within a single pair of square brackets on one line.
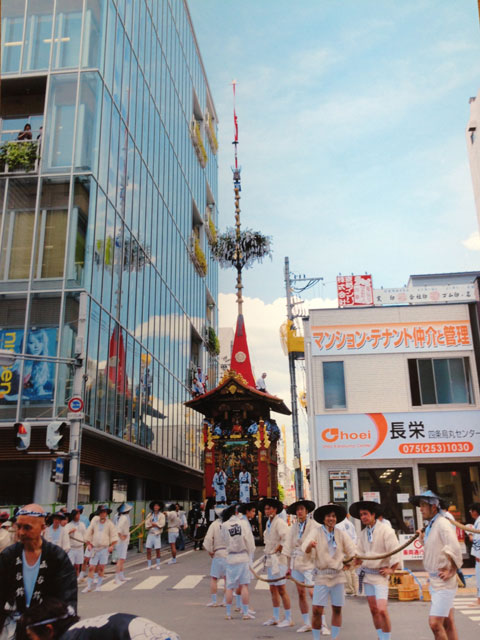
[(245, 481)]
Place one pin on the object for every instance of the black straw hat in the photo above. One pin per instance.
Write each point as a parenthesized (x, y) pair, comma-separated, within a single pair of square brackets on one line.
[(229, 511), (270, 502), (308, 504), (102, 507), (154, 502), (320, 513), (363, 505)]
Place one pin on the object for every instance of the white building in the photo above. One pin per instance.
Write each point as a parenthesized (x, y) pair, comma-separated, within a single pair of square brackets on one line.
[(394, 406), (473, 146)]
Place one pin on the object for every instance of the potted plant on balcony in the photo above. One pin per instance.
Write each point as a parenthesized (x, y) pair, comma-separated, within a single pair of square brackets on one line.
[(16, 155), (212, 343)]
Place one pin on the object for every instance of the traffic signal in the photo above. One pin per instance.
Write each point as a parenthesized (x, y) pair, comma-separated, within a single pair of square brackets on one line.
[(55, 432), (23, 432)]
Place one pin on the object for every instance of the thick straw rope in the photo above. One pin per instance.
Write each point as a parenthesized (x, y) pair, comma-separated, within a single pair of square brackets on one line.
[(271, 580)]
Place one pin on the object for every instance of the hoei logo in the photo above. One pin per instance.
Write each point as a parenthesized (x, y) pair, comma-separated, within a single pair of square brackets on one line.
[(348, 438), (335, 434)]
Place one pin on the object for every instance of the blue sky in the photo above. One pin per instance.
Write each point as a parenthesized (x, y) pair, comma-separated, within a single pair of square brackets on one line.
[(352, 118)]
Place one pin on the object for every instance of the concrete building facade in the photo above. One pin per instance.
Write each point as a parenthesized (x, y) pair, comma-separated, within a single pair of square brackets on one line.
[(394, 406)]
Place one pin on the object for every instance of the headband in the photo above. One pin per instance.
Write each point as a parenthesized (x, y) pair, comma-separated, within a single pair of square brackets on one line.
[(34, 514), (70, 613)]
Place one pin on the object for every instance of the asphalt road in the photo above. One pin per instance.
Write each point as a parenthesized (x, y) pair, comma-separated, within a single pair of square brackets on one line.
[(176, 596)]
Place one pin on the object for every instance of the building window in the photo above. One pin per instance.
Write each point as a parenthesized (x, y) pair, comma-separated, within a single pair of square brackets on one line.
[(334, 385), (385, 486), (440, 381)]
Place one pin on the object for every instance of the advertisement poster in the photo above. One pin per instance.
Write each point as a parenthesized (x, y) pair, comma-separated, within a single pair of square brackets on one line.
[(373, 496), (397, 436), (38, 377)]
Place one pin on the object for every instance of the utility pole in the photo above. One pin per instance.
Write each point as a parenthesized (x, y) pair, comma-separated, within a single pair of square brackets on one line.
[(290, 282)]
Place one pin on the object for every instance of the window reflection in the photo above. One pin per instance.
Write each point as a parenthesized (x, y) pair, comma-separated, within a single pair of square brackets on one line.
[(12, 34), (68, 27), (38, 35)]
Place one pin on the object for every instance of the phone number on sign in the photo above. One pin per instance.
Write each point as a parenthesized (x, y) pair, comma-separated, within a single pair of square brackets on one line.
[(436, 447)]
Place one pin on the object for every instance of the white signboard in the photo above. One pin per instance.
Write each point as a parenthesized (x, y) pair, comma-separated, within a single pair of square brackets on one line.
[(402, 497), (397, 436), (391, 337), (414, 551), (372, 496), (425, 295)]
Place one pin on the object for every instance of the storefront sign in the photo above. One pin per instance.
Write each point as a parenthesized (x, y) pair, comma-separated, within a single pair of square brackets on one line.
[(414, 551), (372, 496), (429, 434), (355, 291), (425, 295), (402, 497), (342, 474), (393, 337)]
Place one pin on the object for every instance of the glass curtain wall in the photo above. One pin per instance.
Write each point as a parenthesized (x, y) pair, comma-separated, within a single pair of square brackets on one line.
[(109, 211)]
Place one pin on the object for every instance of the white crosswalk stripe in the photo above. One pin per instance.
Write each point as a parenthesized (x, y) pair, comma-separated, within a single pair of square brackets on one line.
[(149, 583), (261, 584), (468, 606), (188, 582), (110, 586)]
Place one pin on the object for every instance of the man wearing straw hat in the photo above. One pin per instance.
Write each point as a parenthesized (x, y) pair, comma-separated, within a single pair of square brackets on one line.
[(55, 532), (442, 556), (375, 539), (76, 531), (328, 548), (215, 545), (240, 545), (123, 529), (154, 524), (275, 537), (101, 537), (300, 565)]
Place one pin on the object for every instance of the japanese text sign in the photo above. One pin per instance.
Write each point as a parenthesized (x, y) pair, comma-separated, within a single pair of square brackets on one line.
[(354, 291), (394, 337), (429, 434)]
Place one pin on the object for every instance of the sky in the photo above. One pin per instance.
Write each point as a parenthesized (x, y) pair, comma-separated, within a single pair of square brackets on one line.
[(352, 117)]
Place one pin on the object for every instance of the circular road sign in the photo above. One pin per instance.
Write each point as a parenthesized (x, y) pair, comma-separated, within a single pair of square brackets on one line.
[(75, 404)]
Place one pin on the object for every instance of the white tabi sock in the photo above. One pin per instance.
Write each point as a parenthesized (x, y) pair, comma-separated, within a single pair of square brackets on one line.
[(306, 618), (316, 634), (149, 563), (238, 601), (158, 562), (288, 614), (214, 597)]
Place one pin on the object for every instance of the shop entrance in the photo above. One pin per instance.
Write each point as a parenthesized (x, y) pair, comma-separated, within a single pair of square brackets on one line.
[(458, 483)]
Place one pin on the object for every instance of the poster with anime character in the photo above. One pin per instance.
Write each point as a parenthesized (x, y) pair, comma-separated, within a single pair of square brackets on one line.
[(38, 377)]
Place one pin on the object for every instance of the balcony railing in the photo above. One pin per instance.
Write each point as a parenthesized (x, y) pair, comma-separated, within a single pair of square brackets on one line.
[(19, 156)]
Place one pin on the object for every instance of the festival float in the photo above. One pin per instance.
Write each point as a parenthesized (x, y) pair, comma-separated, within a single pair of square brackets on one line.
[(239, 434)]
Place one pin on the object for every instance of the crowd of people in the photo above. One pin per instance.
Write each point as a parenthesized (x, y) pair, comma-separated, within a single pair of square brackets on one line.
[(326, 558), (44, 556)]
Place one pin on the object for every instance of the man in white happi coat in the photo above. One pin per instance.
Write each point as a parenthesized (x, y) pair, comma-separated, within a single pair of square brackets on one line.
[(245, 482), (173, 529), (76, 531), (275, 537), (328, 548), (101, 537), (300, 565), (214, 543), (219, 484), (442, 556), (346, 525), (123, 529), (474, 511), (57, 534), (240, 546), (154, 524), (375, 539)]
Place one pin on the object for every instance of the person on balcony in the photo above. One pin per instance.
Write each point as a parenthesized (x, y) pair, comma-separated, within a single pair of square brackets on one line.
[(26, 134)]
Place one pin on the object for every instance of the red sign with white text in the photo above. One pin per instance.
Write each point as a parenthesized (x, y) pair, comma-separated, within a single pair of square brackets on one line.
[(354, 291)]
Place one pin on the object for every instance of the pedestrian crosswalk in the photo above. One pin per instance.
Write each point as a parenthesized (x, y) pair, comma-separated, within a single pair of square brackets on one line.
[(190, 581), (468, 606)]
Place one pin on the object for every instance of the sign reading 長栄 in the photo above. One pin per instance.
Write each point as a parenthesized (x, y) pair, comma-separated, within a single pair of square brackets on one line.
[(398, 435), (38, 378), (391, 337)]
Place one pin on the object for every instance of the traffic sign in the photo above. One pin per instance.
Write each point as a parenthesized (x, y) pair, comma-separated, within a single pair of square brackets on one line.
[(59, 468), (75, 404)]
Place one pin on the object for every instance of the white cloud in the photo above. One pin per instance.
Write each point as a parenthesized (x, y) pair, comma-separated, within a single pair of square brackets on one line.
[(262, 323), (472, 243)]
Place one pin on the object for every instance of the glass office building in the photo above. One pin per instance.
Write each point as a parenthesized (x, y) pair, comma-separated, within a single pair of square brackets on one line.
[(108, 189)]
